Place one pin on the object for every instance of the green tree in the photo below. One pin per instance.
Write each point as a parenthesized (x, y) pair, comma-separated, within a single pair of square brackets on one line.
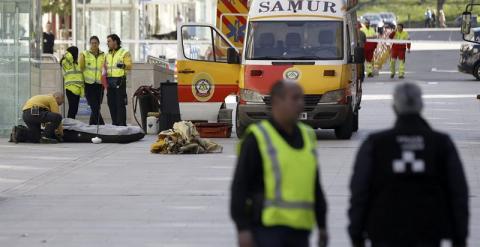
[(60, 7)]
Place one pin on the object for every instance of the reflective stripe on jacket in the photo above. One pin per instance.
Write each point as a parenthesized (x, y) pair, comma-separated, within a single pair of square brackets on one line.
[(289, 176), (92, 73)]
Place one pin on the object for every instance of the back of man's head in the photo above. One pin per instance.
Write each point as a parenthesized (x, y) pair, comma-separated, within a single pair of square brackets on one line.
[(407, 99), (59, 97)]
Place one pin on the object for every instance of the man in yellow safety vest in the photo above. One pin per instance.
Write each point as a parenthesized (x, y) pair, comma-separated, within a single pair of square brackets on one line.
[(370, 47), (398, 51), (91, 63), (276, 194), (118, 62)]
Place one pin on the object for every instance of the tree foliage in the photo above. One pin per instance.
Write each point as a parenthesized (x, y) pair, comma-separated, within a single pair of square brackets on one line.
[(60, 7)]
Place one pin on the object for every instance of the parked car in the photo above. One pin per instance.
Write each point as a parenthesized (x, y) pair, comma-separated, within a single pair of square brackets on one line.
[(390, 19), (375, 20), (458, 21), (470, 55)]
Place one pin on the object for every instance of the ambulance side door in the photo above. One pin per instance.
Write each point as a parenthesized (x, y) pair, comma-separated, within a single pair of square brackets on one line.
[(205, 68), (352, 39)]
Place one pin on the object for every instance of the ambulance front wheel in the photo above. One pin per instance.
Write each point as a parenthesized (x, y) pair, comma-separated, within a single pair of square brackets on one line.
[(239, 127), (345, 131), (356, 121)]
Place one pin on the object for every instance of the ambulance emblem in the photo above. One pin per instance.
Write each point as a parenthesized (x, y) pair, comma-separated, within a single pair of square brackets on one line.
[(292, 75), (203, 87)]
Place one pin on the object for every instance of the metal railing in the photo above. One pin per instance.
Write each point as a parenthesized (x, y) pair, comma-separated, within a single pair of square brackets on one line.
[(168, 64)]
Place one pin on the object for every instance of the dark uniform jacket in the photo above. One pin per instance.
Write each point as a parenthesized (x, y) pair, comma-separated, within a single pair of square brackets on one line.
[(408, 186)]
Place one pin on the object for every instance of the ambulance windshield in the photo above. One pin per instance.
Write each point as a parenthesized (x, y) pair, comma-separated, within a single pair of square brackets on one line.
[(295, 40)]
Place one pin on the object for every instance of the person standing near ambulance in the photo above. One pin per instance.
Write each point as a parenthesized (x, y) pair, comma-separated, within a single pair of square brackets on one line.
[(91, 63), (370, 47), (398, 52), (73, 80), (118, 62), (277, 198)]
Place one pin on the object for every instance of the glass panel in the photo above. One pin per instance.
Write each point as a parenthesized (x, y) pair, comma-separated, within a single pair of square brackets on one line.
[(97, 25), (15, 69), (221, 47), (296, 40), (197, 43)]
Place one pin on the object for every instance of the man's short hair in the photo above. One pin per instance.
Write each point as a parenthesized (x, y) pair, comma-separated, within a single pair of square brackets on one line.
[(401, 25), (407, 99)]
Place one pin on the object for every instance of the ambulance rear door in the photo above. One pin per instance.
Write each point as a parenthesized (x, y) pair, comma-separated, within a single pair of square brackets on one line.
[(232, 20), (208, 68)]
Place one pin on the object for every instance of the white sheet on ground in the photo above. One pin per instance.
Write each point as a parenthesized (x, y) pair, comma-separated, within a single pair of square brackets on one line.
[(109, 130)]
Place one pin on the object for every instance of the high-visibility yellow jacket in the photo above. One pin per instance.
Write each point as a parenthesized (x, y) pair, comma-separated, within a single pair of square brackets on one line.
[(92, 66), (369, 32), (289, 177), (72, 75), (115, 57), (400, 36)]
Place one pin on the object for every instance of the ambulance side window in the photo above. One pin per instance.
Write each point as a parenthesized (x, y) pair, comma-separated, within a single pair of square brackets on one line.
[(203, 43)]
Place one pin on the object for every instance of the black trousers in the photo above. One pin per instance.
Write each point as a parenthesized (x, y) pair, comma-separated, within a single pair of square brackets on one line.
[(280, 237), (94, 95), (34, 123), (406, 244), (73, 102), (117, 100)]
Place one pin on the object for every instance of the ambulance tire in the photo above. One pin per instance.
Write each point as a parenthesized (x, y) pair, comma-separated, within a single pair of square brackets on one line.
[(239, 128), (476, 71), (345, 131), (356, 121)]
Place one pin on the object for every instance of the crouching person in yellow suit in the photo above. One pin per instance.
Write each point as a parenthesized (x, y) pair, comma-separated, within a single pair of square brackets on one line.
[(38, 110)]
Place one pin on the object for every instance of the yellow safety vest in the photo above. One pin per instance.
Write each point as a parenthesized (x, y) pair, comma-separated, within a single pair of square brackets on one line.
[(369, 32), (72, 75), (289, 177), (113, 58), (93, 67), (401, 36)]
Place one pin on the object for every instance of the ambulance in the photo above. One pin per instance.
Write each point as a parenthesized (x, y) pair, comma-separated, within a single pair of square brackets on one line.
[(313, 43)]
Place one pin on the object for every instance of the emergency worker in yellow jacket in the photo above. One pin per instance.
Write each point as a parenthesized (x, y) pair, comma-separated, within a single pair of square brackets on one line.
[(73, 80), (277, 199), (91, 63), (118, 61)]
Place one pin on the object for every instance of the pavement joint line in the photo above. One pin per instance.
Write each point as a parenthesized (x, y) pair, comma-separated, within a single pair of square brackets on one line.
[(58, 172)]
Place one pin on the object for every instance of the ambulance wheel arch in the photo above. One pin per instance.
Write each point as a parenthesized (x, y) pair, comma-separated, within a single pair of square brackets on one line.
[(205, 78)]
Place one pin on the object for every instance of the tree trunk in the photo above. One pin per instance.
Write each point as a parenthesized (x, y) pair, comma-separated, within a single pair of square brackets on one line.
[(440, 4)]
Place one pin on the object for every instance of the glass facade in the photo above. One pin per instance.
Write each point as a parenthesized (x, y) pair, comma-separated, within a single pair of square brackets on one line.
[(20, 36), (146, 27)]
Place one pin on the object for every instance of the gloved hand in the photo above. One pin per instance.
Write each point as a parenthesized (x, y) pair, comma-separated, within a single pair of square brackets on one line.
[(121, 65)]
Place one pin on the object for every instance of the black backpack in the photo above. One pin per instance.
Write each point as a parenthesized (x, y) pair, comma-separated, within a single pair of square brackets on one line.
[(19, 134)]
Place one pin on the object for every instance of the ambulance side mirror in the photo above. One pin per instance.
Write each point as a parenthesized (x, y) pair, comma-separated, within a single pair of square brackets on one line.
[(232, 56), (466, 23), (359, 55)]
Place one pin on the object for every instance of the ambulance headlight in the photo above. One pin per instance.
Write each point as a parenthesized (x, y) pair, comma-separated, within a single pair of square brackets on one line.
[(337, 96), (251, 96)]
